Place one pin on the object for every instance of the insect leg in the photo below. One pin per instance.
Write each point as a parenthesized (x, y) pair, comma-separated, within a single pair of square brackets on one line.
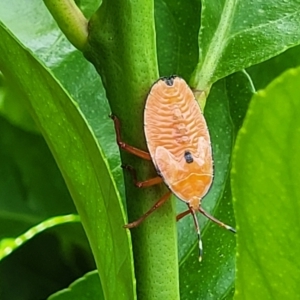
[(124, 146), (183, 214), (142, 184), (159, 203), (202, 211)]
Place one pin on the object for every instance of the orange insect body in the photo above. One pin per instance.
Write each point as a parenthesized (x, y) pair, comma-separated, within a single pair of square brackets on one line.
[(179, 145), (178, 140)]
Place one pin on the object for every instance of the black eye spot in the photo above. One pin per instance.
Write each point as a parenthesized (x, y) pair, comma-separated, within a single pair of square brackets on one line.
[(188, 157)]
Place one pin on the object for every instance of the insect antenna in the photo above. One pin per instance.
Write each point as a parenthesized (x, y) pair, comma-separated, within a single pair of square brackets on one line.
[(198, 233)]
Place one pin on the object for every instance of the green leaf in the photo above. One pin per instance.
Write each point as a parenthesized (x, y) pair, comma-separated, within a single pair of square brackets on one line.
[(9, 244), (86, 288), (177, 26), (237, 34), (47, 263), (81, 162), (263, 73), (265, 179), (32, 190), (31, 186), (240, 90), (14, 110)]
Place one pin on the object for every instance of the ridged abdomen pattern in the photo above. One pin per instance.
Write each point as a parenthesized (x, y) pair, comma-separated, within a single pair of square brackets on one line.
[(178, 139)]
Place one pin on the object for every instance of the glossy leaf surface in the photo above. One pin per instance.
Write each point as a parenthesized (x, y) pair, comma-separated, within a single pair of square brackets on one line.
[(237, 34), (79, 158), (266, 194), (86, 288)]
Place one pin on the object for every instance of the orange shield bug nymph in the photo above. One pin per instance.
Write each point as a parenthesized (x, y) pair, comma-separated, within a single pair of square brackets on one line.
[(179, 145)]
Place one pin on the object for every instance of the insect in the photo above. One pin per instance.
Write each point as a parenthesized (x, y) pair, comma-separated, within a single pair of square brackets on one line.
[(179, 147)]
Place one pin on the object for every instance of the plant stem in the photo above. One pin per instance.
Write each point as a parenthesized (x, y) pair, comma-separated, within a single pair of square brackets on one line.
[(122, 46), (70, 20)]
